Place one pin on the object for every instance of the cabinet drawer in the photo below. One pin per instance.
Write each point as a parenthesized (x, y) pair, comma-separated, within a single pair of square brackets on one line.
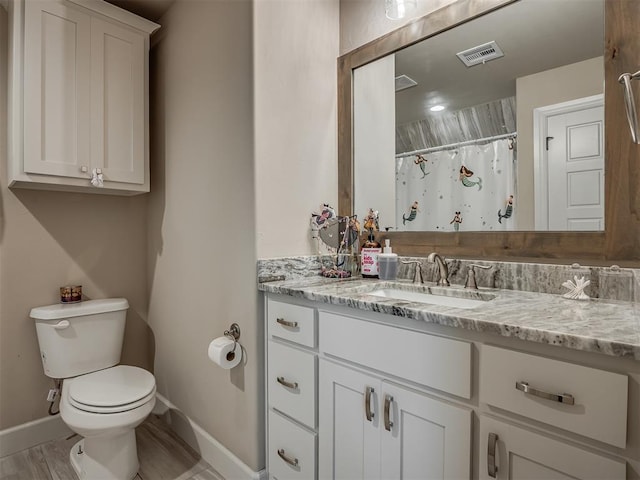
[(292, 382), (291, 322), (437, 362), (600, 397), (292, 450)]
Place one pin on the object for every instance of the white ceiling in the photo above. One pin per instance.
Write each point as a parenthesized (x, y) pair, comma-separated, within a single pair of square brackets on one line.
[(535, 35)]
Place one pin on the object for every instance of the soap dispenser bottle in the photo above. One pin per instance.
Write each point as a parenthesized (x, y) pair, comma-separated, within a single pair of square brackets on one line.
[(388, 263)]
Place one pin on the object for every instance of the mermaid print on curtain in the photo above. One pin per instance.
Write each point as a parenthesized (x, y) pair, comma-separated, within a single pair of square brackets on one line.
[(470, 188)]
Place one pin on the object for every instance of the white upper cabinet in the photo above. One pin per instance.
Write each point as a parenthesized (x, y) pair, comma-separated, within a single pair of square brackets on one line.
[(78, 97)]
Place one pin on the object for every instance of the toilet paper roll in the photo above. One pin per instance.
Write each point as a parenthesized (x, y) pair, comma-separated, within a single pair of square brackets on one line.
[(221, 352)]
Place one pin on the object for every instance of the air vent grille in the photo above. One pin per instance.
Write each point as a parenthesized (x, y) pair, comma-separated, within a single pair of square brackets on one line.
[(403, 82), (480, 54)]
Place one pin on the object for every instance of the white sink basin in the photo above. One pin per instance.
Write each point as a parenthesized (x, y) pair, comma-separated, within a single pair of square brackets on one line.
[(424, 297)]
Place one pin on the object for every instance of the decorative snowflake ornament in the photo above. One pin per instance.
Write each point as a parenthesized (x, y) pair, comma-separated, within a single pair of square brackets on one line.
[(576, 290)]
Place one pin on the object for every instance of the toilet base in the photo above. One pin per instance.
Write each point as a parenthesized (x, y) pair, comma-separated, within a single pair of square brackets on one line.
[(106, 458)]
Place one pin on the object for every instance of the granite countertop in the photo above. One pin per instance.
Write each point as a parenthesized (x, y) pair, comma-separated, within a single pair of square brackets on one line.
[(603, 326)]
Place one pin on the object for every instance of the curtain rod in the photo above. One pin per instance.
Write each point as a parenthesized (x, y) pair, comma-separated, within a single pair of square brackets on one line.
[(455, 145)]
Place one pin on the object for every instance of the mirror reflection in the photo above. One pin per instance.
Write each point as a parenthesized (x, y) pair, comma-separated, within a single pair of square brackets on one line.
[(494, 125)]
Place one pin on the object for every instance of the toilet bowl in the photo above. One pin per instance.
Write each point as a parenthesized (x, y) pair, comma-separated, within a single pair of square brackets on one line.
[(100, 400), (105, 407)]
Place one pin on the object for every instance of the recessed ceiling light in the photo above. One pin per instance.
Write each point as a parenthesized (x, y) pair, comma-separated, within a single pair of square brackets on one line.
[(437, 108)]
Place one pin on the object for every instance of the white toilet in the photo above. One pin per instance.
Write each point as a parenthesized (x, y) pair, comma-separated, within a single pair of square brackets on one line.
[(100, 400)]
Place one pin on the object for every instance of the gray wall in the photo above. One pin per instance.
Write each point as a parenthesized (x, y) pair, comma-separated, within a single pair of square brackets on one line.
[(201, 219)]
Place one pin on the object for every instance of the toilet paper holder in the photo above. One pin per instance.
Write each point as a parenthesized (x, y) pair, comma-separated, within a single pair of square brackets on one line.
[(233, 334)]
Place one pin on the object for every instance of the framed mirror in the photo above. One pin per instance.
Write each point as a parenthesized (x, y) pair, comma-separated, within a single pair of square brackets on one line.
[(618, 242)]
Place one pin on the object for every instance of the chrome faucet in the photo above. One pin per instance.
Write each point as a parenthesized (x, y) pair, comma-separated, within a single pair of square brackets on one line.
[(443, 270)]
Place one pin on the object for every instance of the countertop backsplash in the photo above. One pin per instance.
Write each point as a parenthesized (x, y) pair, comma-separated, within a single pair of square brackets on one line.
[(606, 282)]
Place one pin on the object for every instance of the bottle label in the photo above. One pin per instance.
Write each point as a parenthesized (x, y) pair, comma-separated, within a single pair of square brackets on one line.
[(369, 260)]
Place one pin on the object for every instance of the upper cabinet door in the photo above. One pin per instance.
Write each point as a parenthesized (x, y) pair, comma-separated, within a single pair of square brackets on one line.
[(118, 102), (57, 72)]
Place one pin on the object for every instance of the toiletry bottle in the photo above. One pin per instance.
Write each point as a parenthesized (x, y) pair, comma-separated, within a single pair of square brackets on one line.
[(388, 263), (369, 256)]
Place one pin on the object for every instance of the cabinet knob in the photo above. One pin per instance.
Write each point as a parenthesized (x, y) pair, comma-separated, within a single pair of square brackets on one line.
[(84, 169)]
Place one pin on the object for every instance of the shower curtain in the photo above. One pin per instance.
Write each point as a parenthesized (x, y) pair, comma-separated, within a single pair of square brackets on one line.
[(470, 188)]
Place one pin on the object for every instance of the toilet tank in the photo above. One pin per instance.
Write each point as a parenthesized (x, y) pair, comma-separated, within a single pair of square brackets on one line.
[(80, 338)]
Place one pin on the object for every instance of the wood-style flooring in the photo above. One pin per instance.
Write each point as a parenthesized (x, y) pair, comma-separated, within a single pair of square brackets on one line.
[(163, 456)]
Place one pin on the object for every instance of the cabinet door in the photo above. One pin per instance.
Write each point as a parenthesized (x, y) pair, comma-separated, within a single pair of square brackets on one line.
[(57, 84), (349, 442), (118, 63), (423, 437), (522, 454)]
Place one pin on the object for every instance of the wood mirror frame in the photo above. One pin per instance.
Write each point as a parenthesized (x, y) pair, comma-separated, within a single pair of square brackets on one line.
[(619, 243)]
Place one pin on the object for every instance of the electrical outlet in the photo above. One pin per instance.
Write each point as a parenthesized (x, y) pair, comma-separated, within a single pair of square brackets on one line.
[(53, 394)]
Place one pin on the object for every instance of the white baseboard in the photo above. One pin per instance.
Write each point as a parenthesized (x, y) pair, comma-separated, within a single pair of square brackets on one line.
[(211, 450), (33, 433)]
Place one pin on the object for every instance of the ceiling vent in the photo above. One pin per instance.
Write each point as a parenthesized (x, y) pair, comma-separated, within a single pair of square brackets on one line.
[(403, 82), (480, 54)]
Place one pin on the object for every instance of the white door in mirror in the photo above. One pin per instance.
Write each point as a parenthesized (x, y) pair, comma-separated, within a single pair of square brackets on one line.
[(576, 170)]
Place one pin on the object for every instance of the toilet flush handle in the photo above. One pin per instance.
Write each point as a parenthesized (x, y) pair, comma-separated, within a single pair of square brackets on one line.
[(61, 325)]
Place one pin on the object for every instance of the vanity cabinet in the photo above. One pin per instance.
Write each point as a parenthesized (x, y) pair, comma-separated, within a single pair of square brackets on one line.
[(78, 97), (363, 395)]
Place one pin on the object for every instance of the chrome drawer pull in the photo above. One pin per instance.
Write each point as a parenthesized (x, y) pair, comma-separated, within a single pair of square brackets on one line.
[(367, 404), (560, 398), (388, 424), (292, 385), (283, 456), (286, 323), (492, 468)]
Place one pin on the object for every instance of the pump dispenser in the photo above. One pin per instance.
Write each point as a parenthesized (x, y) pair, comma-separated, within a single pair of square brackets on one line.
[(388, 262)]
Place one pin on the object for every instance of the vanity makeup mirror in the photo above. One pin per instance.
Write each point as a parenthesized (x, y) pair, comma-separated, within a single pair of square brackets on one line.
[(468, 154), (620, 239)]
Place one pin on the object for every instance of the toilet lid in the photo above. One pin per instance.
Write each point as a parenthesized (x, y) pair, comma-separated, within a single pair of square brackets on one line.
[(112, 390)]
